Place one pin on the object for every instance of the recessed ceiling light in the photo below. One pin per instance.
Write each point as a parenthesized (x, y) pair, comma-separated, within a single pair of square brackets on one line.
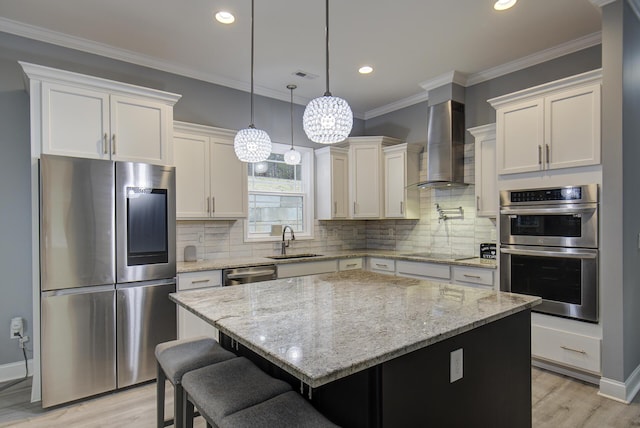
[(225, 17), (365, 69), (504, 4)]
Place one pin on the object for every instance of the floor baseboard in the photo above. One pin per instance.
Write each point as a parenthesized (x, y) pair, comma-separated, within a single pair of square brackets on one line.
[(15, 370)]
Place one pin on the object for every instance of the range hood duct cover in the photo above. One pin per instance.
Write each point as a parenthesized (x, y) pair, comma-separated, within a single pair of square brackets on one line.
[(445, 145)]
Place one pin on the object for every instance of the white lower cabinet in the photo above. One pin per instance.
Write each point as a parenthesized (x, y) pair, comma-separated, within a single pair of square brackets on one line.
[(474, 277), (306, 268), (567, 343), (350, 264), (387, 266), (189, 325), (423, 270)]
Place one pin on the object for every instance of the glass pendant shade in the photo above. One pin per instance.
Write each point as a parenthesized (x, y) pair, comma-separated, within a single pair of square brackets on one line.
[(252, 145), (327, 120), (292, 157)]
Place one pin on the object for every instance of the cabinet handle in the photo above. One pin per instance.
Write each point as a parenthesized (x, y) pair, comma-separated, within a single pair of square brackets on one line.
[(352, 265), (539, 154), (104, 144), (547, 152), (113, 144), (401, 207), (354, 208), (208, 205), (477, 203), (574, 350), (213, 204), (335, 208), (200, 281), (380, 265), (472, 276)]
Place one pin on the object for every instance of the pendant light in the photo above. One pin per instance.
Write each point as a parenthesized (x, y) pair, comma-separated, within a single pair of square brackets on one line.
[(327, 119), (292, 157), (252, 144)]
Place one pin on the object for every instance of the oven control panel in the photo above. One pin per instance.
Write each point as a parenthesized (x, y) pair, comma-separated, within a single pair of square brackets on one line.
[(550, 196)]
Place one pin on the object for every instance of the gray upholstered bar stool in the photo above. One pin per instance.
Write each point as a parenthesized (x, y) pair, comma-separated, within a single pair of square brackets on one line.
[(283, 411), (177, 357), (225, 388)]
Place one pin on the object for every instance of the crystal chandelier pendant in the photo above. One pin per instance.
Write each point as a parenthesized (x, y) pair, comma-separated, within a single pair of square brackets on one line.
[(327, 120), (292, 157), (252, 145)]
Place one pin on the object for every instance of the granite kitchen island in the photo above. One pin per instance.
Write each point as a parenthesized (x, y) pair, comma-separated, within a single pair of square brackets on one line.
[(372, 350)]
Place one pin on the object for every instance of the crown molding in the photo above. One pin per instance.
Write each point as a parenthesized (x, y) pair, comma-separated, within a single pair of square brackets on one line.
[(444, 79), (397, 105), (482, 76), (635, 6), (536, 58), (84, 45), (601, 3)]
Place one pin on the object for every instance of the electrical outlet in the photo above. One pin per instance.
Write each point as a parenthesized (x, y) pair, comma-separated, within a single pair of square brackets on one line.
[(456, 365), (201, 237), (391, 232), (17, 328)]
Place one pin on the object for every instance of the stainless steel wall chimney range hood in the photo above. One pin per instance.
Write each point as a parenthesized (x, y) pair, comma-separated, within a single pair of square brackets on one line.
[(445, 145)]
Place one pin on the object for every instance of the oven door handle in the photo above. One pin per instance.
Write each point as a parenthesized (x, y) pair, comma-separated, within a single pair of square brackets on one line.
[(543, 211), (544, 253)]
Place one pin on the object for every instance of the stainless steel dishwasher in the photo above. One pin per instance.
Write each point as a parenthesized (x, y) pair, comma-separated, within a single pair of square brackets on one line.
[(244, 275)]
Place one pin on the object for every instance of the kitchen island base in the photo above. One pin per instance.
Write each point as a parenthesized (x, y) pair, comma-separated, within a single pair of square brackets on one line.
[(414, 390)]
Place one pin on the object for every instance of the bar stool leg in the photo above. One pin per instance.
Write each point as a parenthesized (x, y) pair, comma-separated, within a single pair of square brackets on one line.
[(187, 410), (179, 397), (160, 385)]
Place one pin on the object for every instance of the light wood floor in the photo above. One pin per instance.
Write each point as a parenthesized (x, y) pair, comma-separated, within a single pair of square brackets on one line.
[(558, 402)]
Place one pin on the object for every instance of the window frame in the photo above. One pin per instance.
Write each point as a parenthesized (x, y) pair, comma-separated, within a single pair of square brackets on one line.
[(308, 196)]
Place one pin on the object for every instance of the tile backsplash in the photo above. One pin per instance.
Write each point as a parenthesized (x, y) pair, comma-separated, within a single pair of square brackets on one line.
[(459, 236)]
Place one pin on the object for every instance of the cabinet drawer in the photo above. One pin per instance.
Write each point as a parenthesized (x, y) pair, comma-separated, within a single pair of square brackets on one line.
[(386, 265), (566, 348), (427, 270), (306, 268), (349, 264), (473, 276), (191, 280)]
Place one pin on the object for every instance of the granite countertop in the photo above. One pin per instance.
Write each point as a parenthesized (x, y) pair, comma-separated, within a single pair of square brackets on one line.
[(324, 327), (203, 265)]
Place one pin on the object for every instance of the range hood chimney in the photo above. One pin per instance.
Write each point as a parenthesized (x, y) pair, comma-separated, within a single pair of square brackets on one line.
[(445, 145)]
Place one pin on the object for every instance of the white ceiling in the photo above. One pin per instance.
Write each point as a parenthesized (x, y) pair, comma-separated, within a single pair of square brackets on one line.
[(408, 42)]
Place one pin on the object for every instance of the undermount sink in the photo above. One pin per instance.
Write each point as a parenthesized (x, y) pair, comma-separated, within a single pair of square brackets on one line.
[(292, 256)]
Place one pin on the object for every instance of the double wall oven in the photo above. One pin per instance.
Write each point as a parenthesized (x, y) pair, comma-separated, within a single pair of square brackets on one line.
[(549, 248)]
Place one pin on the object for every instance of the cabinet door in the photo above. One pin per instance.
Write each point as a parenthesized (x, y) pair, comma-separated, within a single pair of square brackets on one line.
[(190, 325), (520, 137), (75, 122), (395, 166), (228, 181), (485, 171), (364, 171), (191, 158), (339, 185), (139, 130), (572, 133)]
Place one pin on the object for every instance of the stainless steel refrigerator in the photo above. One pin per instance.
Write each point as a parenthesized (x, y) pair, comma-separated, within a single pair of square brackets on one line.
[(107, 256)]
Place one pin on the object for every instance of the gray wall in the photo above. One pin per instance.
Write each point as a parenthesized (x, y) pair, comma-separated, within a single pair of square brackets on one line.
[(611, 261), (631, 178), (15, 208), (408, 124), (201, 102)]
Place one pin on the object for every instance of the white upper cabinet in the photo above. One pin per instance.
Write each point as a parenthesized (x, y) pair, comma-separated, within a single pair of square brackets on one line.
[(332, 183), (366, 176), (485, 169), (401, 169), (551, 126), (84, 116), (210, 180)]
